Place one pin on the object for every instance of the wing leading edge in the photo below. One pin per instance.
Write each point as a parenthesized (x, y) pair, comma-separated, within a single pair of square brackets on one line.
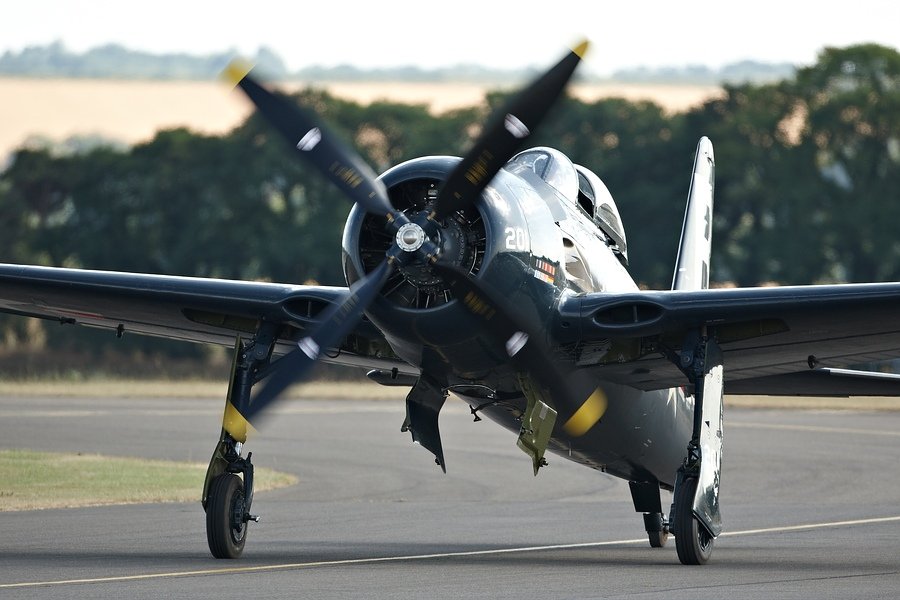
[(775, 340), (184, 308)]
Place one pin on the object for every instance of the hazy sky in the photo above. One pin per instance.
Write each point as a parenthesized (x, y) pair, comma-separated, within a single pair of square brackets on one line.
[(509, 34)]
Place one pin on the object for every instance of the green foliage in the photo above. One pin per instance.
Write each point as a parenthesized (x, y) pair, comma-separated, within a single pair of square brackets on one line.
[(806, 188), (809, 172), (763, 204), (852, 98)]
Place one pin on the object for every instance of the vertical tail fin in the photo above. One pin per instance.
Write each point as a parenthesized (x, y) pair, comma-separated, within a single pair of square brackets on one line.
[(692, 264)]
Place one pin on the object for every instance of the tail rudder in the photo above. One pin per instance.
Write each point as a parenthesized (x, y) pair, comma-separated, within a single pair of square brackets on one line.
[(692, 264)]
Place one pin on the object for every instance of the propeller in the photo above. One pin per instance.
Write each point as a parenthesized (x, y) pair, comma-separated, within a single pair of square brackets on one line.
[(503, 135), (304, 132), (337, 323), (346, 169)]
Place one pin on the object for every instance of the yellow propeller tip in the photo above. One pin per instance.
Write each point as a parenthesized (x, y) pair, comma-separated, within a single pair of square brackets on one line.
[(587, 414), (581, 48), (236, 70)]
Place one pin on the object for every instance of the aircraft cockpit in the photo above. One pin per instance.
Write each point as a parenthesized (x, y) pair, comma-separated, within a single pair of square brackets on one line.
[(578, 186), (552, 166), (592, 192)]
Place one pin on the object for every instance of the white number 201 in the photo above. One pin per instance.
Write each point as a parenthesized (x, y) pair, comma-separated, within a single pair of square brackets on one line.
[(516, 238)]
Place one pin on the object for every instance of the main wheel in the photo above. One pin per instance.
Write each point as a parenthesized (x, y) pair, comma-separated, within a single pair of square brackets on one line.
[(226, 530), (693, 543)]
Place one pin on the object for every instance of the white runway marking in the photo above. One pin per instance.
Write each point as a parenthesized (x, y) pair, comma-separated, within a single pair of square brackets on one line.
[(786, 528), (418, 557)]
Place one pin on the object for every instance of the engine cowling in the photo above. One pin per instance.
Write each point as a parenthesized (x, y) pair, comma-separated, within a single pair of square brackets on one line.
[(416, 308), (415, 305), (412, 188)]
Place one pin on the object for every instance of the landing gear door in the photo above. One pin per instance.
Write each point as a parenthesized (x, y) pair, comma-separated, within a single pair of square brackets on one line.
[(706, 500)]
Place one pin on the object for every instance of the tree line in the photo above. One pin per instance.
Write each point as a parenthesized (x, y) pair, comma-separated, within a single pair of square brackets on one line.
[(807, 184)]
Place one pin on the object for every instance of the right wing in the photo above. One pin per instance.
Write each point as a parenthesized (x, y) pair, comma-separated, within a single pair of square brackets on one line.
[(193, 309), (775, 340)]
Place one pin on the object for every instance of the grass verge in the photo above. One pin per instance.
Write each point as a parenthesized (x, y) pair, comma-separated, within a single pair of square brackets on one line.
[(38, 480)]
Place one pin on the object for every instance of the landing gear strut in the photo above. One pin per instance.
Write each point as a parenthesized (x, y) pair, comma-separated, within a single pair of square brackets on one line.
[(695, 518), (228, 489)]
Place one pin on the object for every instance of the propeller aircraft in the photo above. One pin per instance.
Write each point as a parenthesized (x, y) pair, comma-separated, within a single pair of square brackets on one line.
[(501, 277)]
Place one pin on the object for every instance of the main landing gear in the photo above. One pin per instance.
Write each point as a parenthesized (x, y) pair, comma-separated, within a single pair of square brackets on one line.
[(695, 518), (228, 488)]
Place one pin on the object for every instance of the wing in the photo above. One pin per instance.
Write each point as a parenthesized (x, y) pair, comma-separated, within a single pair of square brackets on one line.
[(777, 340), (185, 308)]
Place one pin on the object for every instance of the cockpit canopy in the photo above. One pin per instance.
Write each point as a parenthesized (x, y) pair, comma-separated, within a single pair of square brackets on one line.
[(579, 186), (593, 192)]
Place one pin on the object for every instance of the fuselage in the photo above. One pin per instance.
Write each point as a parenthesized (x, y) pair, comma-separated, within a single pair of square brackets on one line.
[(534, 244)]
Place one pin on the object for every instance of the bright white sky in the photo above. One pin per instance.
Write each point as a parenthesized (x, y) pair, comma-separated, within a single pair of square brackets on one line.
[(506, 34)]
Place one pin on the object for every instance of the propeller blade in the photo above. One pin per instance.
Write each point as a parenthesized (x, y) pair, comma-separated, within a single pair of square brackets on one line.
[(293, 367), (576, 396), (306, 135), (503, 135)]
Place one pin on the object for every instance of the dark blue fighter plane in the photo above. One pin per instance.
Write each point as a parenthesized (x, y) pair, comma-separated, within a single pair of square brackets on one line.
[(501, 277)]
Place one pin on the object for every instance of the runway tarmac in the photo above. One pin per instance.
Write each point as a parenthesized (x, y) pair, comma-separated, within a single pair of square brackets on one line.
[(810, 500)]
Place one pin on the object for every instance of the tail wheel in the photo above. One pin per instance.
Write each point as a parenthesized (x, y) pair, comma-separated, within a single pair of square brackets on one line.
[(692, 541), (226, 529), (658, 539), (657, 529)]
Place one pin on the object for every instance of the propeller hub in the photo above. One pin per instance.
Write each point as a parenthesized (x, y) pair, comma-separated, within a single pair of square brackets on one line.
[(410, 237)]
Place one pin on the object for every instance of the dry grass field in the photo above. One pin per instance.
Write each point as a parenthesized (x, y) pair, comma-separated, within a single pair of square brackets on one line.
[(131, 111)]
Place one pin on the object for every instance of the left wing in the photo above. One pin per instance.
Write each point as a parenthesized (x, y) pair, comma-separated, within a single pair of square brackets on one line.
[(184, 308), (775, 340)]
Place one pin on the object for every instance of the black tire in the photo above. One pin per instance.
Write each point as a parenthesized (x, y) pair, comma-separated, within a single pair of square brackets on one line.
[(657, 530), (226, 530), (658, 539), (693, 543)]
